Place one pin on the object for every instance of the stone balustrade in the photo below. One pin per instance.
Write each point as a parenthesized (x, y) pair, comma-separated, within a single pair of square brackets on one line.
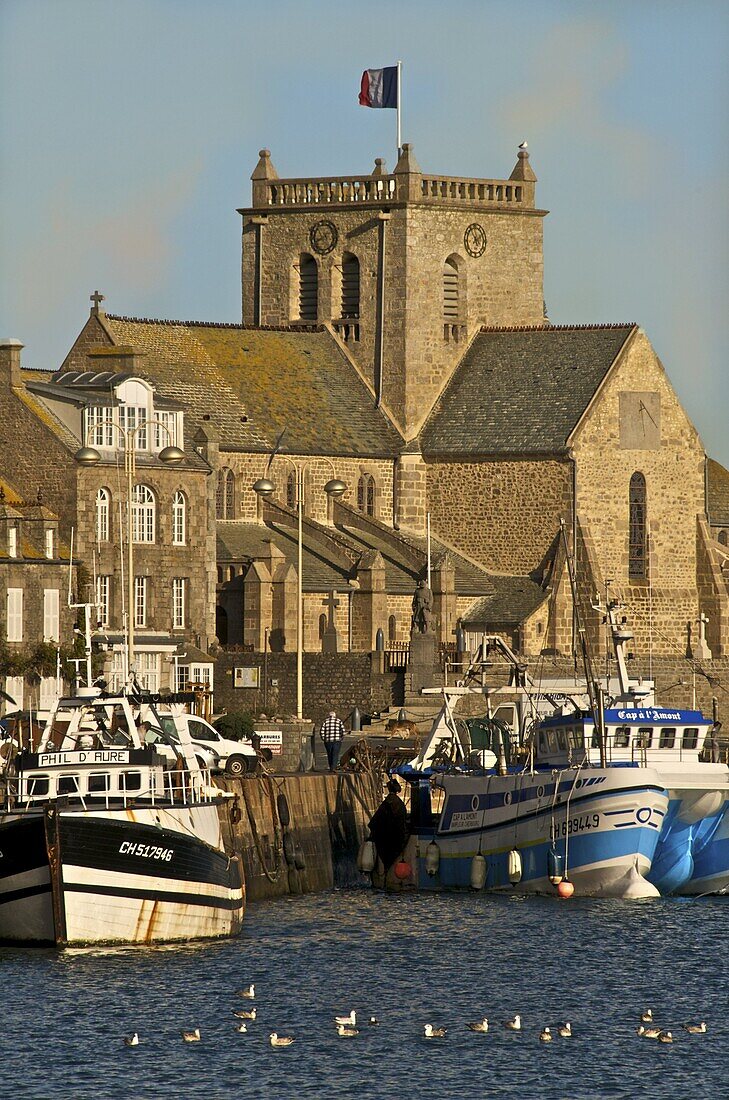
[(376, 189)]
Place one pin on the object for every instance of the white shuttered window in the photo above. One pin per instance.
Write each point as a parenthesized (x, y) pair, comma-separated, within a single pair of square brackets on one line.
[(15, 615), (51, 606)]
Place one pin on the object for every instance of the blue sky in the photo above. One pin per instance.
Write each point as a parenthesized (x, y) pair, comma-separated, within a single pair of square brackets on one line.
[(129, 131)]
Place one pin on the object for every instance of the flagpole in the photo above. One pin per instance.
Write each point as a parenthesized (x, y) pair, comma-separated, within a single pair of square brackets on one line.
[(399, 90)]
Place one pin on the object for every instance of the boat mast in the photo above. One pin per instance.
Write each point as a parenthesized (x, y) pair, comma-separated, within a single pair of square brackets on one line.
[(594, 689)]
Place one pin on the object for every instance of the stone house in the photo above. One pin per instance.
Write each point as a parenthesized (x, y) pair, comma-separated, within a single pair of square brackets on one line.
[(35, 580), (44, 420)]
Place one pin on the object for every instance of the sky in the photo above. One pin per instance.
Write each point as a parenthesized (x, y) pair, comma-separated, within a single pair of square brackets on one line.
[(129, 131)]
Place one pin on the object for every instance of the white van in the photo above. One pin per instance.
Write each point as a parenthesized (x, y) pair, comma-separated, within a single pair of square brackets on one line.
[(234, 757)]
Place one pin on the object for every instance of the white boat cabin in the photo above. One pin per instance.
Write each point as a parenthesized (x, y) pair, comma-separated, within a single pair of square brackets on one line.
[(634, 735)]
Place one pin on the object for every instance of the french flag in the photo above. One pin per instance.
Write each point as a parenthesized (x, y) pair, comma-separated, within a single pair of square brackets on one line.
[(379, 87)]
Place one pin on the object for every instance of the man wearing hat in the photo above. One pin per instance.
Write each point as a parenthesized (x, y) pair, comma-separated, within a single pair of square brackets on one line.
[(388, 826), (332, 734)]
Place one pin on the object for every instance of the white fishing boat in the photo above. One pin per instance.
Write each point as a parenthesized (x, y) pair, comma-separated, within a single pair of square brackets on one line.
[(617, 801), (105, 838)]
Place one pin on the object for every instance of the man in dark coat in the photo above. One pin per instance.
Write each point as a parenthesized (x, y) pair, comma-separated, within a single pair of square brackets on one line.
[(388, 826)]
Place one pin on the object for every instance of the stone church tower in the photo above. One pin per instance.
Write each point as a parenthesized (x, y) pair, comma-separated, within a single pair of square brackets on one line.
[(404, 268)]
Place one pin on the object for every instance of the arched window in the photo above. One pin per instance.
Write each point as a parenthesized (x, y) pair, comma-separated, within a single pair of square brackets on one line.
[(143, 514), (350, 286), (392, 629), (638, 529), (225, 495), (291, 490), (322, 626), (366, 495), (230, 495), (308, 288), (103, 508), (179, 518), (450, 292), (723, 538)]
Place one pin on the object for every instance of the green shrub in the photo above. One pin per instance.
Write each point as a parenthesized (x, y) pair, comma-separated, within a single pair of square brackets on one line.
[(235, 726)]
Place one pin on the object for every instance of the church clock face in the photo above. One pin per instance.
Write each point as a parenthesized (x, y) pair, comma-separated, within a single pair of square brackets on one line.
[(640, 420), (474, 240), (323, 237)]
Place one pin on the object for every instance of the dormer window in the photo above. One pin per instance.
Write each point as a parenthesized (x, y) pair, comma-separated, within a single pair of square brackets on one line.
[(12, 542), (133, 420), (50, 542)]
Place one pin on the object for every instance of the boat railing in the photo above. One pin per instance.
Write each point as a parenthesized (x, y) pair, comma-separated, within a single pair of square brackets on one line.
[(178, 787)]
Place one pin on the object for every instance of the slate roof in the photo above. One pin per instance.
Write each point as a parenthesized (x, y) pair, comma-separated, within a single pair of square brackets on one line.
[(243, 542), (252, 382), (521, 390), (512, 601), (718, 493)]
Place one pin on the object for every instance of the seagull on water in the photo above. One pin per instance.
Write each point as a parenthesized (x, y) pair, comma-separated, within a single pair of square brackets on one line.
[(665, 1037), (431, 1032), (280, 1040), (647, 1017), (696, 1029), (191, 1036), (513, 1025), (649, 1032), (546, 1035), (565, 1030), (346, 1032), (249, 992), (479, 1025), (348, 1021), (242, 1028), (131, 1040), (373, 1021), (245, 1013)]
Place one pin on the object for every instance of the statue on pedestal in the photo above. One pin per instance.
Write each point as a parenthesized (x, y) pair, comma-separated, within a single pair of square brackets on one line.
[(422, 618)]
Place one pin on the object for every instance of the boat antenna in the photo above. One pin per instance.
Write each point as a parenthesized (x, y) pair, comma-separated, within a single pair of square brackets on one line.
[(594, 689)]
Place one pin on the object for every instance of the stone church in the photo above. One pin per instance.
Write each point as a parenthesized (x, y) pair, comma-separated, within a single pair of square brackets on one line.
[(394, 338)]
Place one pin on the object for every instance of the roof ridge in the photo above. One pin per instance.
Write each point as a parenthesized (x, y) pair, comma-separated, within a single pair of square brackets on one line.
[(557, 328), (215, 324)]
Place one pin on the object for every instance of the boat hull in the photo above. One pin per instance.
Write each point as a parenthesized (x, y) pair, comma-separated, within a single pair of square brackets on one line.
[(148, 875), (606, 839)]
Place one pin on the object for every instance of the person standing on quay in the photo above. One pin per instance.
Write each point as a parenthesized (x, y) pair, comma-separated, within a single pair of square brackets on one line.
[(332, 734)]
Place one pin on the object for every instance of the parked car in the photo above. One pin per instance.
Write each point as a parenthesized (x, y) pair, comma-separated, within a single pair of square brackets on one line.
[(167, 744), (234, 757)]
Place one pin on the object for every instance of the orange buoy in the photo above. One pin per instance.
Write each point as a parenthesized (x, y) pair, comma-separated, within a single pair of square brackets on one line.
[(403, 870), (566, 888)]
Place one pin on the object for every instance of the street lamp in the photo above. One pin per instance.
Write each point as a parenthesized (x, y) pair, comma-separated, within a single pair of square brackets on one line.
[(89, 456), (265, 488)]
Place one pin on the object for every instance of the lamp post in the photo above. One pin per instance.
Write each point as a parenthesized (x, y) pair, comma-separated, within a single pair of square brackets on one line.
[(170, 455), (264, 488)]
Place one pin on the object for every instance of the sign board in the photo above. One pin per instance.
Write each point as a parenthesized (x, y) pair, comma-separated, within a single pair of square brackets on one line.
[(246, 677), (273, 740)]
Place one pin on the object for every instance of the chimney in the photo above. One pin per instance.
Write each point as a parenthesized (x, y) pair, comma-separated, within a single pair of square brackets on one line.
[(10, 361)]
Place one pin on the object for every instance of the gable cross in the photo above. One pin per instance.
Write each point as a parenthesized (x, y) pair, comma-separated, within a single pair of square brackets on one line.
[(97, 299)]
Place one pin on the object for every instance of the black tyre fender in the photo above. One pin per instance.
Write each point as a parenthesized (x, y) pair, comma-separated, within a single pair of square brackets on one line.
[(299, 860), (282, 806), (289, 849)]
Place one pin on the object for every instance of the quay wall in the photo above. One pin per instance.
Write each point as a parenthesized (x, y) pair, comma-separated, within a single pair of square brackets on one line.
[(338, 681), (328, 817)]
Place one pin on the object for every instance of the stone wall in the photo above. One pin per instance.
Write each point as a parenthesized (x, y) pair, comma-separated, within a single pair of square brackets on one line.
[(328, 816), (331, 681), (672, 462), (159, 561), (501, 513), (248, 468)]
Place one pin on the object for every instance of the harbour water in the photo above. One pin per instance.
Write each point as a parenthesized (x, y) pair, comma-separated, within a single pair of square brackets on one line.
[(409, 960)]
